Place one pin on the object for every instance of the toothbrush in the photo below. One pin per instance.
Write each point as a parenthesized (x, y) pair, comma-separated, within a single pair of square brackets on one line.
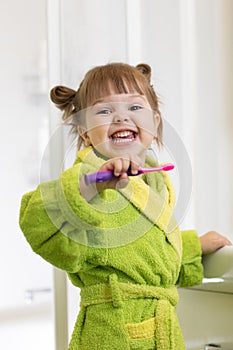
[(101, 176)]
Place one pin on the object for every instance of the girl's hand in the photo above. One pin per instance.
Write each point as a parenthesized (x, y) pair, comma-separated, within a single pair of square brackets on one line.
[(212, 241), (119, 167)]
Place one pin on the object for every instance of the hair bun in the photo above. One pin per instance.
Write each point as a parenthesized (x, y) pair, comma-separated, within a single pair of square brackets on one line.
[(145, 69), (62, 96)]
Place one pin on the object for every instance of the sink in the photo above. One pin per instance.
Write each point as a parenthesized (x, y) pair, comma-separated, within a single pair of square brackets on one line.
[(218, 271), (219, 264)]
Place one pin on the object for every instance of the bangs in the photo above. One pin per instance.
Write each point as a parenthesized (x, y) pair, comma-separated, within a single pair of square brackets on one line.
[(110, 79)]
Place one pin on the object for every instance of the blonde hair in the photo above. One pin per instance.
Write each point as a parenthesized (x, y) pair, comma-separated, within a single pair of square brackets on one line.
[(99, 82)]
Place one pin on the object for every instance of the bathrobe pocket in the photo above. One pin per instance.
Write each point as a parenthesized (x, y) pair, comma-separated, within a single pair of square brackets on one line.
[(142, 335)]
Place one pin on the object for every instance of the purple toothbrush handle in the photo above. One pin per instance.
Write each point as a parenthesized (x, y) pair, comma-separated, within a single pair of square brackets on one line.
[(101, 176)]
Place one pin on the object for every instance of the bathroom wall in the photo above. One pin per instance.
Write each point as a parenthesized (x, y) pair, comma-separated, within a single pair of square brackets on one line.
[(206, 316), (26, 320)]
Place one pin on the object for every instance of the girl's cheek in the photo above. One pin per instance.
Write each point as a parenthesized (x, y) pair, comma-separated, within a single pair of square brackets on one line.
[(99, 123)]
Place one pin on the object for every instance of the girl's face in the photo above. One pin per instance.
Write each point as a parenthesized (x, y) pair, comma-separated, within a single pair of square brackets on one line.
[(121, 124)]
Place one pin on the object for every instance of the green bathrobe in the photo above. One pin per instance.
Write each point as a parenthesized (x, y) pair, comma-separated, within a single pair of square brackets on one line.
[(123, 249)]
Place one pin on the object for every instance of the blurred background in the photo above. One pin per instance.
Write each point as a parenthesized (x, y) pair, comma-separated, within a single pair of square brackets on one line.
[(189, 45)]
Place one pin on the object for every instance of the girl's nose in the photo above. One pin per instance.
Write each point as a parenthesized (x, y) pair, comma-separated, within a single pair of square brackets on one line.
[(120, 118)]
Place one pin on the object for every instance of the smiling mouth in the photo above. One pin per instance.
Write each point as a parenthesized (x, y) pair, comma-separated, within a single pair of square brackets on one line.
[(121, 137)]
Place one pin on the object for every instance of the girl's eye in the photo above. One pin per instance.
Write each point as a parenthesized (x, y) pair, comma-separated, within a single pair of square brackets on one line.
[(135, 108), (104, 111)]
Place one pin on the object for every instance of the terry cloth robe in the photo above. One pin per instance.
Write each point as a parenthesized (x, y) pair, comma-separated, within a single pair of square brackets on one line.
[(123, 249)]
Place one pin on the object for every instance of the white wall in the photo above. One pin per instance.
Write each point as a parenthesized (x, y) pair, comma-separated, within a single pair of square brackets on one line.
[(23, 135), (23, 120), (214, 128), (93, 33), (206, 317)]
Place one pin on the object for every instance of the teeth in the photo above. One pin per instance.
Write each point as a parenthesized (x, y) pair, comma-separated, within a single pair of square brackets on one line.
[(122, 134), (122, 140)]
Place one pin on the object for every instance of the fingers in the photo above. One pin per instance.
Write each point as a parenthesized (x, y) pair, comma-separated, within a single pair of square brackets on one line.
[(226, 241), (212, 240), (121, 165), (134, 166), (219, 239)]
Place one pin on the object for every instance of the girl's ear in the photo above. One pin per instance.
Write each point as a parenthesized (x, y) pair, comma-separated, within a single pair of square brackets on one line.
[(84, 136), (157, 120)]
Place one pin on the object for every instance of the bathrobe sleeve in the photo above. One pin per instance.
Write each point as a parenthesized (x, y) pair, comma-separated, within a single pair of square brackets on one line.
[(191, 272), (55, 220)]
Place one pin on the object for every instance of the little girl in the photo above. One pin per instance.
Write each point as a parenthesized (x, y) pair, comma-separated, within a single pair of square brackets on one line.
[(117, 240)]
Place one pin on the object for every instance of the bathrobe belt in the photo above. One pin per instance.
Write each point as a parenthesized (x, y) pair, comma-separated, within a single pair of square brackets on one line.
[(161, 326), (116, 292)]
